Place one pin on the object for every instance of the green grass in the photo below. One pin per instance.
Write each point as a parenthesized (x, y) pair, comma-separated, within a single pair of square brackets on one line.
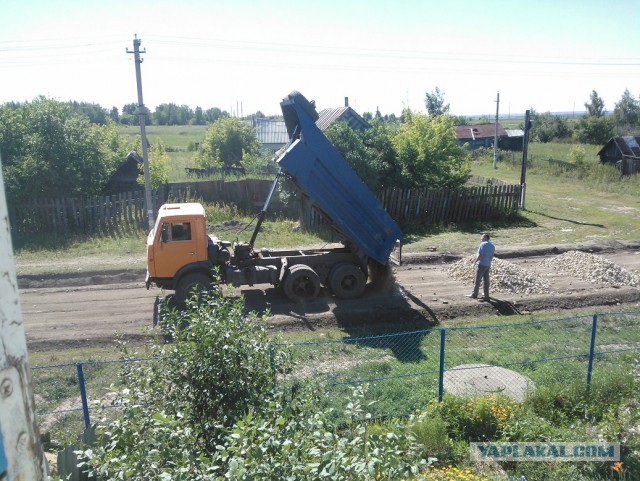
[(560, 208), (402, 369)]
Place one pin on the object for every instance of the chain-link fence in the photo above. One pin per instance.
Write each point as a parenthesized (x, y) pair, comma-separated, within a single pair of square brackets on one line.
[(403, 370)]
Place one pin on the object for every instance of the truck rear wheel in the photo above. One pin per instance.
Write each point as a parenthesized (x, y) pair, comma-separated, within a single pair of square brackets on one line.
[(195, 283), (302, 283), (347, 281)]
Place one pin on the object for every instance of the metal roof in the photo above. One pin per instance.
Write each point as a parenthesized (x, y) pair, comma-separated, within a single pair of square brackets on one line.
[(514, 132), (627, 145), (271, 131), (346, 114)]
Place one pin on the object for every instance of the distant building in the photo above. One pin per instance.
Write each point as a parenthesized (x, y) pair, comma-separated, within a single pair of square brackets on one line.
[(125, 177), (512, 141), (344, 114), (479, 135), (623, 152), (272, 134)]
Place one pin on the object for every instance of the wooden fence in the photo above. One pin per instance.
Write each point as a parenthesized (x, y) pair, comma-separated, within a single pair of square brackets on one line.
[(245, 193), (93, 214), (439, 206), (405, 206), (78, 214)]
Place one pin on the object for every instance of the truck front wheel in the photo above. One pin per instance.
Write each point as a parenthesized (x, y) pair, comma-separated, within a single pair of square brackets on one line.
[(302, 283), (195, 283), (347, 281)]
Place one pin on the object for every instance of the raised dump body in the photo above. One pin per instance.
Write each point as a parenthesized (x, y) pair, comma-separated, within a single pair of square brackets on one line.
[(320, 171)]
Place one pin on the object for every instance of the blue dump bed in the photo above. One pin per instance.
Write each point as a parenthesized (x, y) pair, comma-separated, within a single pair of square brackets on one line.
[(321, 172)]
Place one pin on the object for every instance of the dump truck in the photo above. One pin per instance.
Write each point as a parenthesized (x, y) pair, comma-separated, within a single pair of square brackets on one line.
[(184, 257)]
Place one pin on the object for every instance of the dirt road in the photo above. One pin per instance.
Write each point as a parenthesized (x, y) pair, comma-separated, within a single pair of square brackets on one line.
[(85, 310)]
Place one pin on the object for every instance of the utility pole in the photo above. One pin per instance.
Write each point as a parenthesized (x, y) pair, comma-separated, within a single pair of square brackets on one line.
[(143, 132), (21, 453), (495, 139), (525, 144)]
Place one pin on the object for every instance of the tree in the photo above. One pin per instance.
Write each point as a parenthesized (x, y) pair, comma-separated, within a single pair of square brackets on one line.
[(593, 130), (94, 112), (547, 127), (595, 106), (434, 102), (627, 111), (213, 114), (49, 150), (227, 141), (369, 152), (130, 115), (198, 117), (429, 154), (159, 163), (114, 115)]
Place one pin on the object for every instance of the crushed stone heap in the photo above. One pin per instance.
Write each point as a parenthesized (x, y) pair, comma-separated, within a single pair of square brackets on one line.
[(505, 276), (590, 267)]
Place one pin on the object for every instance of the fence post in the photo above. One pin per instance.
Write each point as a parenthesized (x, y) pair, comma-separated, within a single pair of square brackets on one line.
[(441, 371), (592, 347), (83, 395)]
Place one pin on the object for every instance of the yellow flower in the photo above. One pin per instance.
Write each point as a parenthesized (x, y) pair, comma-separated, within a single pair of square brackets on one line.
[(617, 466)]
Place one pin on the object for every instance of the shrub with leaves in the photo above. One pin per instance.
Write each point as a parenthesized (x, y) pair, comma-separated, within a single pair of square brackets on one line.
[(221, 364), (206, 406)]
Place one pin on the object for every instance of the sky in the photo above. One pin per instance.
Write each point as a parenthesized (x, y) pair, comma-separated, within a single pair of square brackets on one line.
[(244, 56)]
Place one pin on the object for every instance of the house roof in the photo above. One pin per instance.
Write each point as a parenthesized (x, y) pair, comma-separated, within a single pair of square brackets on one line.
[(514, 132), (346, 114), (479, 131), (271, 131), (628, 146)]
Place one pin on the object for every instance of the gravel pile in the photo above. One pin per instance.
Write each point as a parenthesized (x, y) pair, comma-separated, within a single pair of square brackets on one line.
[(590, 267), (505, 276)]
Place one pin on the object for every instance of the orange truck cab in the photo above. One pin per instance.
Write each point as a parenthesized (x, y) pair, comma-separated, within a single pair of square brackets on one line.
[(177, 249)]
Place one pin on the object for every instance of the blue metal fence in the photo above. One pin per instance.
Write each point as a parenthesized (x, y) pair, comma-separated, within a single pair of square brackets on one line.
[(403, 370)]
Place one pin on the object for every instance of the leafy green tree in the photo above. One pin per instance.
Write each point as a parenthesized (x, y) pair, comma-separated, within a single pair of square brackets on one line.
[(369, 152), (94, 112), (227, 142), (213, 114), (595, 106), (350, 144), (428, 152), (114, 115), (130, 115), (627, 111), (49, 150), (547, 127), (435, 103), (198, 116), (172, 114), (593, 130), (159, 164)]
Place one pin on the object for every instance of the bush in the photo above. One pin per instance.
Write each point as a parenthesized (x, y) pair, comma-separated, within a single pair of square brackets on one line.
[(205, 408)]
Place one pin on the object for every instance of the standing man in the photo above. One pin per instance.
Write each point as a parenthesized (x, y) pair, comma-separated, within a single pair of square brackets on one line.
[(485, 256)]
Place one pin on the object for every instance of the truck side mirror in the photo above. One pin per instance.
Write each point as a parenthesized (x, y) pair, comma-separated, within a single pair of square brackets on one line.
[(164, 235)]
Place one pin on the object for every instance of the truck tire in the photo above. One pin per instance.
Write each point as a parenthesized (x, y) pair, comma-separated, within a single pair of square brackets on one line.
[(190, 284), (301, 283), (347, 281)]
